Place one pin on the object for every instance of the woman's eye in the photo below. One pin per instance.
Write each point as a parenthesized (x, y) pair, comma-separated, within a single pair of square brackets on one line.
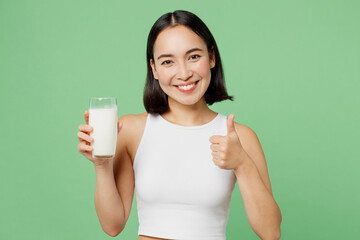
[(194, 57), (166, 62)]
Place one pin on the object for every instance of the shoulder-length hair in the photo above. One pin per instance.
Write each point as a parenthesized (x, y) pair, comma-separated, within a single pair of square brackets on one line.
[(155, 99)]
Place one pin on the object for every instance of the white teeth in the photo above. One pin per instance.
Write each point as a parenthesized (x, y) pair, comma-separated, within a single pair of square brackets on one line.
[(187, 87)]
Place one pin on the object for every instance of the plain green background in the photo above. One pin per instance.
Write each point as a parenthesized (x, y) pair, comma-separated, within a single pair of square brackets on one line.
[(293, 67)]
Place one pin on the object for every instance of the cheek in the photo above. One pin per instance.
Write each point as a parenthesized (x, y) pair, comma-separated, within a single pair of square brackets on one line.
[(204, 69), (164, 75)]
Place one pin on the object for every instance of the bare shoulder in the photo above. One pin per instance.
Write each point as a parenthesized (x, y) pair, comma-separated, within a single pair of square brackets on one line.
[(131, 121), (248, 138), (133, 126), (251, 144)]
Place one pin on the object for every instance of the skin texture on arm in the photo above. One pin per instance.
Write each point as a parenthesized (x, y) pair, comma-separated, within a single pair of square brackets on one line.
[(108, 204), (123, 169), (240, 151), (252, 147), (115, 185), (254, 183)]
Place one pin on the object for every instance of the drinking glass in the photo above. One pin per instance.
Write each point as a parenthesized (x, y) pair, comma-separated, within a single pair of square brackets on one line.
[(103, 118)]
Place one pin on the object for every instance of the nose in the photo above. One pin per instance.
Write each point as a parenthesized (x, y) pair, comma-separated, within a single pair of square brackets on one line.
[(184, 72)]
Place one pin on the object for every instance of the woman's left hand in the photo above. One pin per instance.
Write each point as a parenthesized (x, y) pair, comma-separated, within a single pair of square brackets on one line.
[(227, 151)]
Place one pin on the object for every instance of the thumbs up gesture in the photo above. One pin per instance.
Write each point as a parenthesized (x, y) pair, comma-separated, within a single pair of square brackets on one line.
[(227, 151)]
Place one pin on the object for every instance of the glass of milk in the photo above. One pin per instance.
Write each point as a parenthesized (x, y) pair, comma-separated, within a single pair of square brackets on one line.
[(103, 118)]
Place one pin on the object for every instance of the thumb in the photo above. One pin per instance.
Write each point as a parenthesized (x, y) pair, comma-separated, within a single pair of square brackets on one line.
[(230, 124), (119, 126), (86, 117)]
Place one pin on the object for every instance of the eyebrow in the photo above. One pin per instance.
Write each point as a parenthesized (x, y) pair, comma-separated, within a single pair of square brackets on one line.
[(189, 51)]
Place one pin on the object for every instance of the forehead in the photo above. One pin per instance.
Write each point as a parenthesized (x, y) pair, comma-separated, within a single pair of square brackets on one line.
[(177, 40)]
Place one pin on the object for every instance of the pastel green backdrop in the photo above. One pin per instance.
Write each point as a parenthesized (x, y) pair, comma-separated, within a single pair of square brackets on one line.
[(293, 67)]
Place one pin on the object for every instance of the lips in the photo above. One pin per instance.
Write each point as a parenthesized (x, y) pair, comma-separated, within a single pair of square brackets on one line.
[(187, 87)]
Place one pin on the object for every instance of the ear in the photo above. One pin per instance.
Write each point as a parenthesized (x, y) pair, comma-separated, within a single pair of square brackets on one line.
[(154, 69), (212, 58)]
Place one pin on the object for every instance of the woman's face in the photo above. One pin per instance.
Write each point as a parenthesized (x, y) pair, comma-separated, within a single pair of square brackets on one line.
[(182, 64)]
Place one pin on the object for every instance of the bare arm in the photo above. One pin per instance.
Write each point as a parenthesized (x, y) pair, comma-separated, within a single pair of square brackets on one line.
[(114, 180), (240, 151), (115, 183), (253, 179), (108, 203)]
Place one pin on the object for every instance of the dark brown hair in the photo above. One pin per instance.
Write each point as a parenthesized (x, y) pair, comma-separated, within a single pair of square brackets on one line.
[(155, 99)]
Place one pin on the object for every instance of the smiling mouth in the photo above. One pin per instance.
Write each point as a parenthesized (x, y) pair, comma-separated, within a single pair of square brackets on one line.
[(187, 87)]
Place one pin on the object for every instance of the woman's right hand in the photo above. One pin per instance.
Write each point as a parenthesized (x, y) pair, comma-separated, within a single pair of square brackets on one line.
[(85, 139)]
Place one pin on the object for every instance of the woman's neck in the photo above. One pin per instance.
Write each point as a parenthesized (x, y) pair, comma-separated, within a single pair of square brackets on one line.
[(189, 115)]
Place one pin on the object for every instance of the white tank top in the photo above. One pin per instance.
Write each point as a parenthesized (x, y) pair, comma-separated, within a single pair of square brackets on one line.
[(181, 194)]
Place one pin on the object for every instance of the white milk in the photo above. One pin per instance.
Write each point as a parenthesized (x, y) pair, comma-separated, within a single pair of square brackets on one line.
[(104, 123)]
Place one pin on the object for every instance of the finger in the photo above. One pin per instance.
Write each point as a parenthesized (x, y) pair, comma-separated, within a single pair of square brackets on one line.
[(218, 162), (215, 155), (84, 137), (230, 124), (85, 128), (217, 139), (84, 148), (119, 126), (219, 155), (84, 142), (215, 147), (86, 116)]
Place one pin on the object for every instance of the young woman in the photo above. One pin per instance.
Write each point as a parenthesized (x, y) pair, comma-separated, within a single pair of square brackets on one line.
[(183, 158)]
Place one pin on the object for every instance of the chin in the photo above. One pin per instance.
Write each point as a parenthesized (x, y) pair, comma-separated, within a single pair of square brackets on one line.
[(190, 102)]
